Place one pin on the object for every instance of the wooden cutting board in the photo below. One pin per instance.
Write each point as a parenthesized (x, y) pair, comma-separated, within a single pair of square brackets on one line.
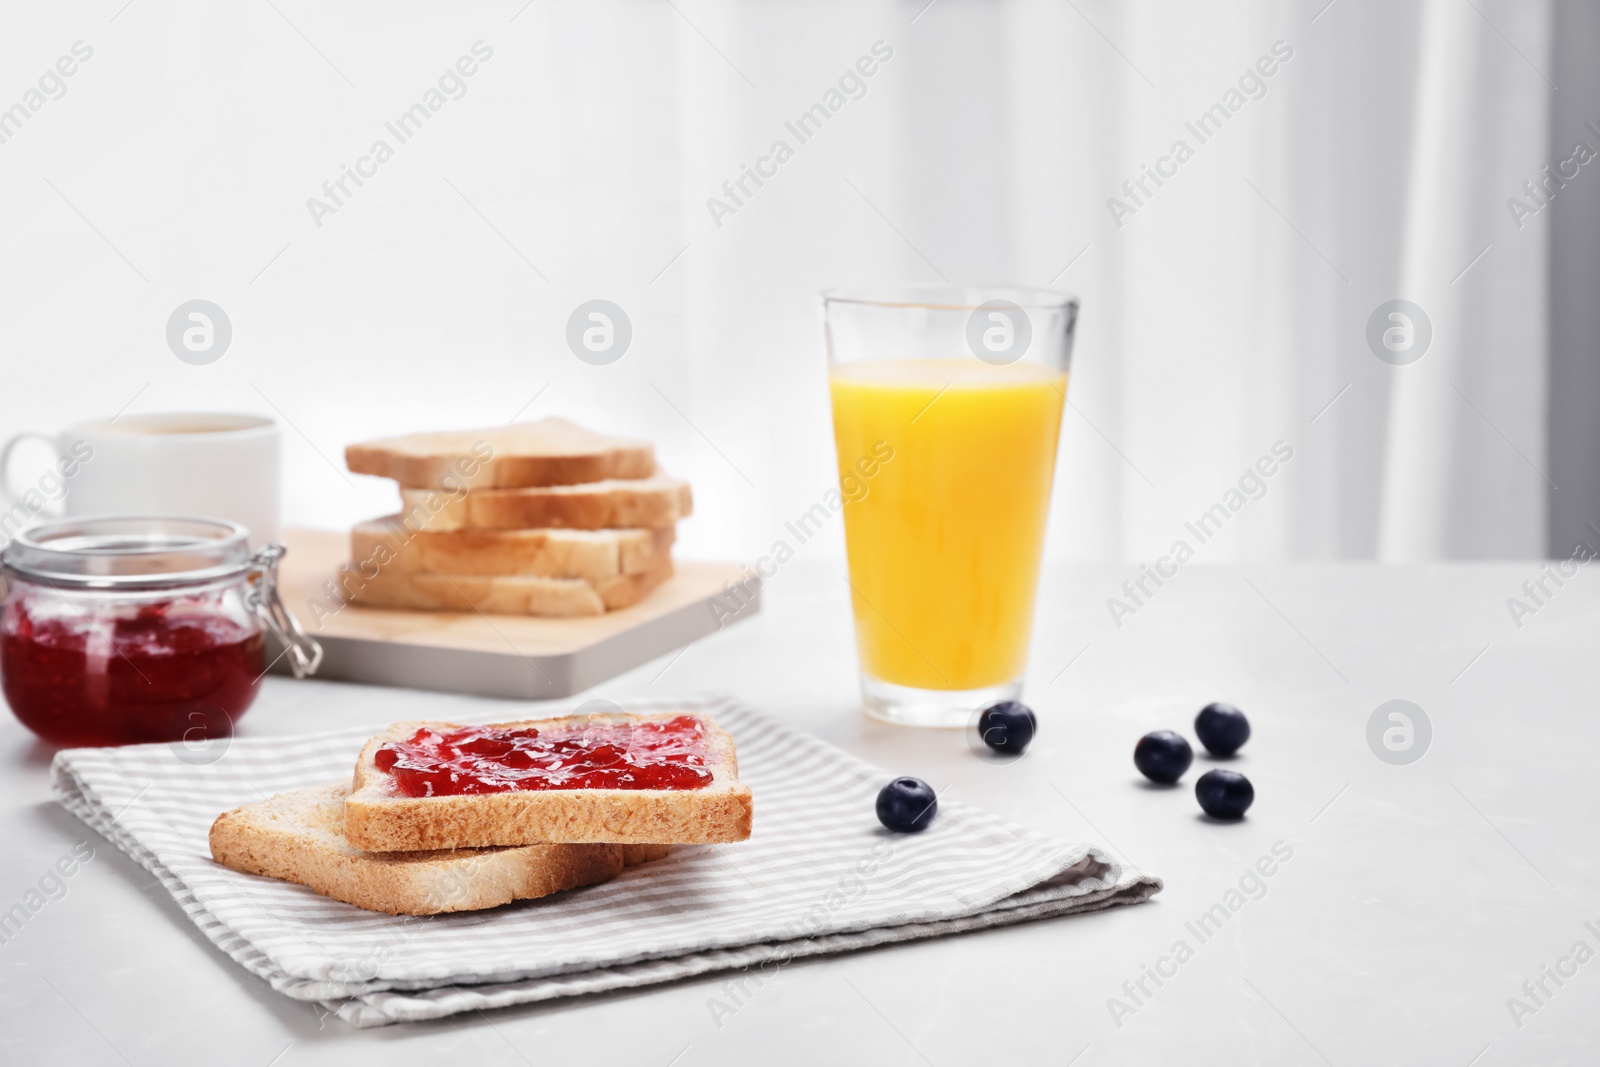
[(511, 656)]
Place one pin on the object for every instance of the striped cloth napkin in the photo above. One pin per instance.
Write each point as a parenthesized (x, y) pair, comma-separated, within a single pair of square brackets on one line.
[(818, 875)]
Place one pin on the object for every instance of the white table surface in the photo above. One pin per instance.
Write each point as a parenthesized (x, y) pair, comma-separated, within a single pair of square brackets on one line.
[(1418, 900)]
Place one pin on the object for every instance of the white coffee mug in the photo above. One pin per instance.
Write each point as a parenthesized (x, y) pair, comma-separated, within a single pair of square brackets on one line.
[(215, 466)]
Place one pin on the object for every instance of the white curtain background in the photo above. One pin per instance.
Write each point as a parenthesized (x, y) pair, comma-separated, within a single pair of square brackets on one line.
[(1228, 313)]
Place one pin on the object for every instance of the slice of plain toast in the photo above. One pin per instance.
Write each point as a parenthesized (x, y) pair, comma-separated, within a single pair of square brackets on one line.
[(512, 594), (389, 544), (299, 837), (654, 501), (379, 817), (546, 452)]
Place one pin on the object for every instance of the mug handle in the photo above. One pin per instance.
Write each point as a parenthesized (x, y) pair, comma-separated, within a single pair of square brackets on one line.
[(9, 496)]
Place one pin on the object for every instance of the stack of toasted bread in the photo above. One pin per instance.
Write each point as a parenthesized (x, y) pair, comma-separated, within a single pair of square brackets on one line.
[(377, 846), (536, 518)]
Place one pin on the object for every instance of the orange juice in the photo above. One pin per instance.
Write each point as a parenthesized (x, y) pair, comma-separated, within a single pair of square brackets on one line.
[(944, 548)]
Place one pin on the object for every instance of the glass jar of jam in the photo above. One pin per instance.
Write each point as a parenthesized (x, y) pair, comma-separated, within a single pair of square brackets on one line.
[(124, 629)]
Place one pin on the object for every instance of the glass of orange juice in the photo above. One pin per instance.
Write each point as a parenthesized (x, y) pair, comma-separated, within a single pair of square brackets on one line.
[(946, 412)]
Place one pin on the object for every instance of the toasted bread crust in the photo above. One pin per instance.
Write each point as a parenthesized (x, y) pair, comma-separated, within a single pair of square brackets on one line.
[(545, 452), (379, 818), (593, 554), (515, 594), (297, 837), (651, 502), (633, 855)]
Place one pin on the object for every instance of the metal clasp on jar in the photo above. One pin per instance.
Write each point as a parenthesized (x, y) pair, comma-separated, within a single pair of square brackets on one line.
[(303, 650)]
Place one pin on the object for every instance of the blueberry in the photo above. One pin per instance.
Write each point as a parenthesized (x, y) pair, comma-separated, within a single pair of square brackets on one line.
[(1224, 794), (1162, 756), (906, 805), (1222, 728), (1007, 727)]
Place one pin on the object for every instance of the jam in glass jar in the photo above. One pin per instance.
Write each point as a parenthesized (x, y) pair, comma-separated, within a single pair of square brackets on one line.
[(125, 629)]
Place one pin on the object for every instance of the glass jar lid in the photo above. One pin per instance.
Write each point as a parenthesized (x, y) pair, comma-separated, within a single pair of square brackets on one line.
[(131, 552)]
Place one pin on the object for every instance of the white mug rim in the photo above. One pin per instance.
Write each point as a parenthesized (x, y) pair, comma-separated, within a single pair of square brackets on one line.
[(140, 426)]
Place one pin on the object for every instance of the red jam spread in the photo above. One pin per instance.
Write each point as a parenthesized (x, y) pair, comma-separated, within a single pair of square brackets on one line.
[(158, 672), (664, 754)]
